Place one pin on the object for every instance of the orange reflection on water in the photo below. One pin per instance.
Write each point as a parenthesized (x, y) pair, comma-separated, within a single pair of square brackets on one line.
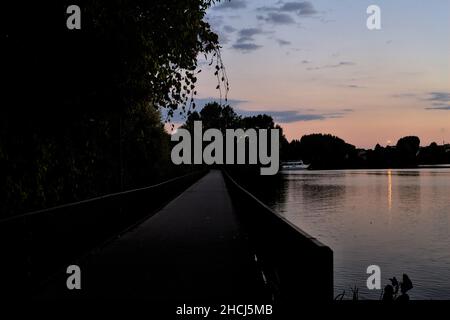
[(389, 173)]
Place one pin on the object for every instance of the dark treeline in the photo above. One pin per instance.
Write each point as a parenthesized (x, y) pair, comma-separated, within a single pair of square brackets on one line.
[(222, 117), (324, 151), (79, 114), (217, 116)]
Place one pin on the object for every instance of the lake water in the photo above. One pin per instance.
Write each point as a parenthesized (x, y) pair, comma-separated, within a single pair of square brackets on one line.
[(396, 219)]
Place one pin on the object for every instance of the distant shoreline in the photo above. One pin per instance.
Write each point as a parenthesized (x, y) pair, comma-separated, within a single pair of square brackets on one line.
[(434, 166), (424, 166)]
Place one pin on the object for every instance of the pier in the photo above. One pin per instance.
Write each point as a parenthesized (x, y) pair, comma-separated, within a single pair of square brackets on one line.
[(213, 243)]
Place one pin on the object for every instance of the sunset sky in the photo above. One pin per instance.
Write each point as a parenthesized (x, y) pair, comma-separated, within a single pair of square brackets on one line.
[(316, 68)]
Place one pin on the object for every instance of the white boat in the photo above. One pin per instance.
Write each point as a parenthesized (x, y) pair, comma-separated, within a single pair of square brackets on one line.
[(294, 165)]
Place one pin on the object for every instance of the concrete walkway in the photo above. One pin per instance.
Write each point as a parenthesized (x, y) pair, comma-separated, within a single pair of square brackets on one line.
[(193, 250)]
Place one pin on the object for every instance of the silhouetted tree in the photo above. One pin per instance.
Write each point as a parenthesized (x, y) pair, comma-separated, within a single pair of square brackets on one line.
[(222, 117), (261, 121), (407, 149), (214, 115), (327, 151), (434, 154), (79, 111)]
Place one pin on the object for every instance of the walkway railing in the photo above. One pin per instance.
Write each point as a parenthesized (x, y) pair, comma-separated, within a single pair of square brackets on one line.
[(34, 245), (295, 265)]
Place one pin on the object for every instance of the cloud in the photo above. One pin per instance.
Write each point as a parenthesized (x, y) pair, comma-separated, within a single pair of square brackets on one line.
[(282, 42), (247, 34), (342, 63), (229, 29), (439, 96), (331, 66), (325, 20), (277, 18), (439, 107), (246, 42), (440, 100), (279, 116), (434, 96), (246, 47), (232, 5), (404, 95), (290, 116), (302, 8), (250, 32)]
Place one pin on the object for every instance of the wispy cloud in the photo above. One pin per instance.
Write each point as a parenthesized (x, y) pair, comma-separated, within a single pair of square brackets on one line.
[(405, 95), (231, 5), (246, 41), (439, 96), (277, 18), (290, 116), (250, 32), (229, 29), (279, 116), (331, 66), (302, 8), (282, 42), (246, 47), (440, 100), (439, 107), (283, 12)]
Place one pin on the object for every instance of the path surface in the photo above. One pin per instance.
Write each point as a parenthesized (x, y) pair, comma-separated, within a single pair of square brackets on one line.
[(192, 250)]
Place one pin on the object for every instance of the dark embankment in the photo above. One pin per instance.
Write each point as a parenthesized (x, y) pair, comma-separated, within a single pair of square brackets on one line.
[(36, 244)]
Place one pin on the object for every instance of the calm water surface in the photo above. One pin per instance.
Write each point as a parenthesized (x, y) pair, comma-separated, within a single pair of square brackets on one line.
[(396, 219)]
